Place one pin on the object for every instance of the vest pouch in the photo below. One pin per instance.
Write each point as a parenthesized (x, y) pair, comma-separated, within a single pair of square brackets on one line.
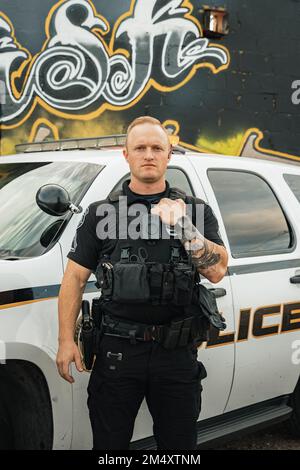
[(184, 283), (167, 293), (130, 283), (155, 281), (104, 278)]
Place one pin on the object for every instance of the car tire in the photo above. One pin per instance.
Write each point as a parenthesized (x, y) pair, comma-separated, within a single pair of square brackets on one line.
[(6, 432), (294, 421)]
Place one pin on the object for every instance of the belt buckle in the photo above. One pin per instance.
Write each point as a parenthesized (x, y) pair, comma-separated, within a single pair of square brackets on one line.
[(149, 334)]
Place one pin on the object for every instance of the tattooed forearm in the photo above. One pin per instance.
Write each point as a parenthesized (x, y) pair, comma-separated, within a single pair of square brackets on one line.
[(203, 253), (202, 258)]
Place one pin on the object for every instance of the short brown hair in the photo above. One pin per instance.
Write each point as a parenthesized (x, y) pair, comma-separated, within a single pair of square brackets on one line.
[(145, 120)]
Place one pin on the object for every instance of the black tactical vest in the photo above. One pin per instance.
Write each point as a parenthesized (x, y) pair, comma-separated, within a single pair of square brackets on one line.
[(155, 271)]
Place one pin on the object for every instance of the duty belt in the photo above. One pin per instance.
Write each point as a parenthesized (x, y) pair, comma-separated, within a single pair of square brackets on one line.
[(172, 335)]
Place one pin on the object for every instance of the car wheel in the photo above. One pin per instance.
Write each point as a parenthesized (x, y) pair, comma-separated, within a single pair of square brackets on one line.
[(6, 432), (294, 421)]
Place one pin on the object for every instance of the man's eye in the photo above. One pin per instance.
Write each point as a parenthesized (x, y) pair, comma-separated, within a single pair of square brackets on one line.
[(157, 149)]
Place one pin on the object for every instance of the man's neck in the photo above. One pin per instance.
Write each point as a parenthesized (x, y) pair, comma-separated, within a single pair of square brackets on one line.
[(140, 187)]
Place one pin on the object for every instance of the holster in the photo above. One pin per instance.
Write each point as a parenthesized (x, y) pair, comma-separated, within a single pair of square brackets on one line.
[(205, 313), (91, 331), (209, 308), (88, 346)]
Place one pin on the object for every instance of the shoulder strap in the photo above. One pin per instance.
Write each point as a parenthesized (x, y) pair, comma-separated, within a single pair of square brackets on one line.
[(114, 196), (176, 193), (192, 200)]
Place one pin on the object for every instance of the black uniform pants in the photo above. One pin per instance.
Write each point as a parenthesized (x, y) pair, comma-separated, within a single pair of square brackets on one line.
[(170, 381)]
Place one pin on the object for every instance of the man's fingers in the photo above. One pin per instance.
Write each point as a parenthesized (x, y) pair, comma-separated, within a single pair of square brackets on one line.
[(78, 362), (165, 200), (65, 372), (181, 202), (155, 210), (68, 352)]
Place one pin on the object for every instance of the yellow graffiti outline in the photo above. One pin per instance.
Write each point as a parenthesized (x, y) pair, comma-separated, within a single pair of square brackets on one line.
[(260, 136), (171, 122), (176, 124), (109, 49), (45, 121), (11, 78), (256, 144), (195, 148)]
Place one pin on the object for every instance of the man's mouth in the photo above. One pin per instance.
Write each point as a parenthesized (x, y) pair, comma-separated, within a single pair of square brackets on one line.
[(149, 164)]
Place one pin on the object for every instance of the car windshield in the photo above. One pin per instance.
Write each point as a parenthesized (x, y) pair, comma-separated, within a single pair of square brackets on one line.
[(25, 230)]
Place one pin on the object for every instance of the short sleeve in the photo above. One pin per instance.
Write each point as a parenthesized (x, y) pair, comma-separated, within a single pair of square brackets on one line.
[(86, 247), (211, 226)]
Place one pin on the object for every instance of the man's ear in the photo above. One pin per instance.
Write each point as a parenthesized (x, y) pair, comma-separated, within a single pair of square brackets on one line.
[(125, 153)]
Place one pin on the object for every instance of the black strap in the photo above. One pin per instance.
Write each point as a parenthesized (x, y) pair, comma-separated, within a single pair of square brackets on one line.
[(114, 196), (175, 254), (176, 193), (125, 253)]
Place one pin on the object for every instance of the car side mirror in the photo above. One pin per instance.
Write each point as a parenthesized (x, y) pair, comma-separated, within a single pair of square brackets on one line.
[(55, 200)]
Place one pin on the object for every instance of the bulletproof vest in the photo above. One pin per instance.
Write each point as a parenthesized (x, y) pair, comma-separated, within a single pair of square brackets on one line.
[(146, 270)]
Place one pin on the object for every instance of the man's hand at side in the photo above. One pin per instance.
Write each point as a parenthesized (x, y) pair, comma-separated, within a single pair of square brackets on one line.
[(69, 304), (68, 352)]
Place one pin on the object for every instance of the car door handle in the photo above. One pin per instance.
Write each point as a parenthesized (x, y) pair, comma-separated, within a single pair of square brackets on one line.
[(295, 279), (218, 291)]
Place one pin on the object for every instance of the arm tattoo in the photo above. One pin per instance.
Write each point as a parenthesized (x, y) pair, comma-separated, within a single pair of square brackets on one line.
[(202, 256), (206, 259)]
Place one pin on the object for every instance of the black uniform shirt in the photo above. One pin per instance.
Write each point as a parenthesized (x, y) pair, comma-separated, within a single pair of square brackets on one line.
[(87, 249)]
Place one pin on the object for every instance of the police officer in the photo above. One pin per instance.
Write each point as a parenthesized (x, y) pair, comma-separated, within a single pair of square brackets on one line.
[(132, 363)]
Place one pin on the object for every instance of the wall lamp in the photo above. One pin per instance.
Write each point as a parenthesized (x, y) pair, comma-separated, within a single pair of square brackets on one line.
[(215, 22)]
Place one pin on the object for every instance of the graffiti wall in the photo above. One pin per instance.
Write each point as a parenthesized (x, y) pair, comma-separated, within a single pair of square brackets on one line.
[(83, 68)]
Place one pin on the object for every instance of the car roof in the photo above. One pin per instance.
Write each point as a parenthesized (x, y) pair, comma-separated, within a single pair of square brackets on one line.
[(105, 156)]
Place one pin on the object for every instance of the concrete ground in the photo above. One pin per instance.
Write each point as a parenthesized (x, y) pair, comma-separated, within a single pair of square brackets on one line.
[(277, 437)]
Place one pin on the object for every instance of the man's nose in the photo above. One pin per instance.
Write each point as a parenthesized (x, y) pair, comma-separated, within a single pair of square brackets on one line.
[(148, 153)]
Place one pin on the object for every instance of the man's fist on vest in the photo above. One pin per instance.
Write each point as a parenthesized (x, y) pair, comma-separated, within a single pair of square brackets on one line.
[(169, 210)]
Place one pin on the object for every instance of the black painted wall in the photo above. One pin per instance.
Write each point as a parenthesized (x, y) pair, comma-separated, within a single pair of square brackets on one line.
[(217, 112)]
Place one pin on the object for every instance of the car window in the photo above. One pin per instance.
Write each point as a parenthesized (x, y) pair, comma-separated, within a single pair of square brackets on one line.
[(175, 176), (294, 183), (26, 230), (253, 218)]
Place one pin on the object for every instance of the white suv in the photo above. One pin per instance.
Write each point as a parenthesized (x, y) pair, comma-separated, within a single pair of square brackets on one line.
[(253, 366)]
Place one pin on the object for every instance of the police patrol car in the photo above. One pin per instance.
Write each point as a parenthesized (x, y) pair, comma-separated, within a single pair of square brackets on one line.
[(253, 366)]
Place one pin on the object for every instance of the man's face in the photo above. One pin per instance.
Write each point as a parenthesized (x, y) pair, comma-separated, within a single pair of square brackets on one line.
[(148, 152)]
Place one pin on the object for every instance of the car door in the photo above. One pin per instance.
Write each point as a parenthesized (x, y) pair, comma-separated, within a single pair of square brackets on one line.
[(259, 219)]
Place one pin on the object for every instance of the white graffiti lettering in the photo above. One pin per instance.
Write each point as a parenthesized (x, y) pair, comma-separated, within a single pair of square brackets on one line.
[(77, 72)]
